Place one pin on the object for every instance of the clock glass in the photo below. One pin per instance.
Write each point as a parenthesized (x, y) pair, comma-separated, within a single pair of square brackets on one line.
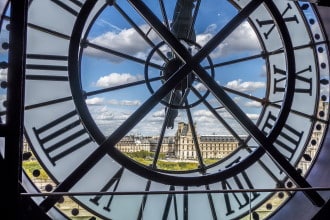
[(146, 105)]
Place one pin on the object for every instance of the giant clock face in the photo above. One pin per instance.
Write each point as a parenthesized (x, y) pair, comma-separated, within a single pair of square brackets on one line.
[(219, 95)]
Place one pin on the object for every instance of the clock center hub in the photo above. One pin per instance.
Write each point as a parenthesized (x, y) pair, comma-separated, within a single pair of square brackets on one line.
[(171, 67)]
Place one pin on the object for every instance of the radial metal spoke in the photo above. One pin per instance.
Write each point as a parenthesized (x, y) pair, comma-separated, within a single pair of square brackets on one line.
[(219, 118), (178, 47), (162, 132), (238, 60), (124, 86), (138, 30), (195, 139), (161, 29), (248, 96), (312, 117), (252, 129), (263, 55), (119, 54), (259, 137), (164, 14), (108, 146)]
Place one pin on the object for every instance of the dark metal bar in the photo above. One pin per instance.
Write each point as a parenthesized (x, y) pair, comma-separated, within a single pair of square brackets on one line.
[(119, 54), (138, 29), (264, 55), (127, 193), (316, 2), (211, 202), (51, 102), (162, 133), (164, 14), (51, 32), (12, 169), (195, 139), (136, 83), (191, 29), (221, 95), (108, 145), (3, 130), (220, 119)]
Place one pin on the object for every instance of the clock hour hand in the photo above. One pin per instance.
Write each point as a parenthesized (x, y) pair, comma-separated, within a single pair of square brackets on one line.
[(220, 94), (182, 25), (182, 28)]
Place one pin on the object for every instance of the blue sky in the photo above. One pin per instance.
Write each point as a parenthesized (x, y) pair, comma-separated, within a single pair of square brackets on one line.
[(101, 70)]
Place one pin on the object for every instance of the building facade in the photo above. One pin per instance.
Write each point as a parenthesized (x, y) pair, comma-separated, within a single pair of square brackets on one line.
[(182, 146)]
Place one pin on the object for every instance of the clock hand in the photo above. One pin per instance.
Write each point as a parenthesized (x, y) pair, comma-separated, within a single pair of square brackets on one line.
[(183, 20), (107, 147), (182, 28), (240, 116), (168, 115), (164, 14)]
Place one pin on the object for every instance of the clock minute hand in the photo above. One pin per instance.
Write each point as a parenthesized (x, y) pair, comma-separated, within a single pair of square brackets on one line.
[(182, 25), (193, 63), (182, 28)]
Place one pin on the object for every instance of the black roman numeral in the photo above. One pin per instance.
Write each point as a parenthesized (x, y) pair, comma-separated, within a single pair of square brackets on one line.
[(49, 31), (240, 181), (279, 84), (114, 181), (185, 204), (66, 6), (212, 206), (62, 136), (144, 201), (170, 198), (288, 140), (46, 59), (272, 22)]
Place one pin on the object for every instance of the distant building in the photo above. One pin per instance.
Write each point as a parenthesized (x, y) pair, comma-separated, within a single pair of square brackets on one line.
[(133, 143), (182, 146), (210, 146)]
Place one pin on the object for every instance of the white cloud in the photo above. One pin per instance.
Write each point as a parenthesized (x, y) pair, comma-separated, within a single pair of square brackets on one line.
[(252, 104), (108, 119), (159, 114), (95, 101), (253, 116), (243, 38), (203, 116), (124, 102), (103, 102), (113, 102), (248, 86), (127, 41), (200, 87), (130, 102), (203, 112), (115, 79), (3, 74)]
